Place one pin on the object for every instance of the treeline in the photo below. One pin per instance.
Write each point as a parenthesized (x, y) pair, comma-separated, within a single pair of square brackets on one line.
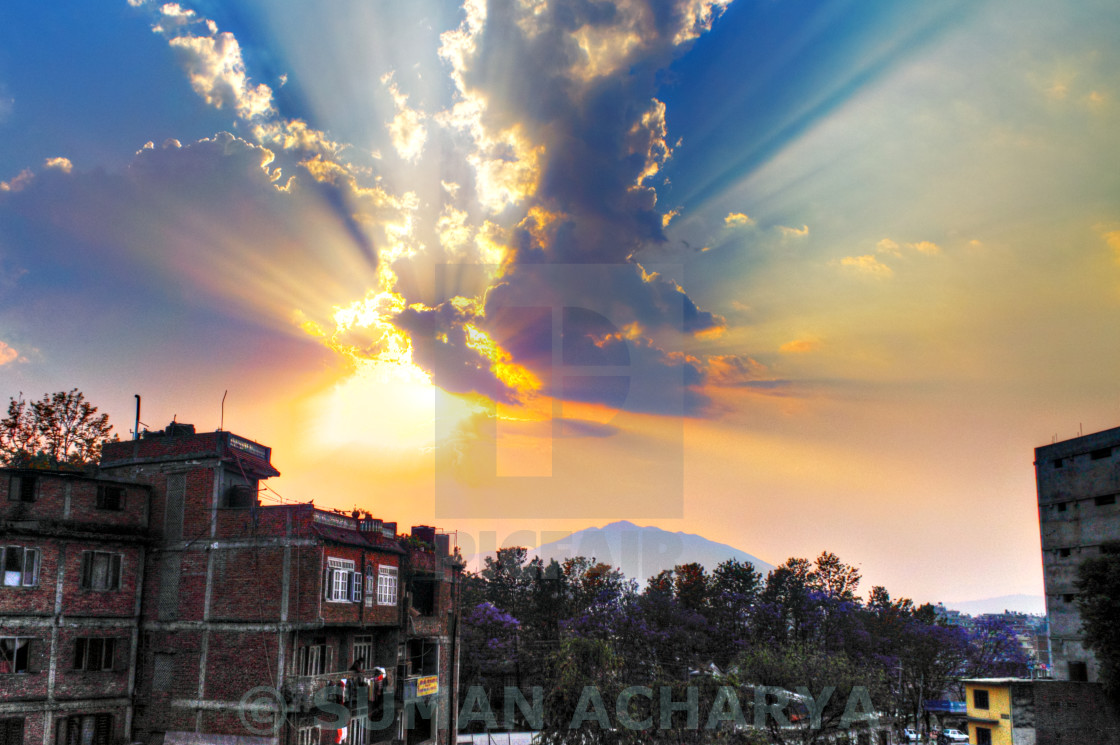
[(565, 626)]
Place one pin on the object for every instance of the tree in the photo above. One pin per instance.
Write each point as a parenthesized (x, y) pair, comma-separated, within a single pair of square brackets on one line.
[(61, 429), (1098, 599)]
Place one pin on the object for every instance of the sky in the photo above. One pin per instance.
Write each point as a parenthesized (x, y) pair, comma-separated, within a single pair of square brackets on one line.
[(795, 276)]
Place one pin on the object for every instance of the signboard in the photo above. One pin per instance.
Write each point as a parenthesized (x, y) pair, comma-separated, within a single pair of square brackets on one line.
[(338, 521), (250, 447), (427, 685)]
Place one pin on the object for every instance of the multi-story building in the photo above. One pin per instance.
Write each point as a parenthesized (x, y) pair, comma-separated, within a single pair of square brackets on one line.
[(72, 553), (213, 618), (1078, 491)]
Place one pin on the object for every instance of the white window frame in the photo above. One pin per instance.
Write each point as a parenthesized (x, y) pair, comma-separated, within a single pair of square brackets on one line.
[(28, 574), (371, 586), (355, 587), (308, 735), (386, 584), (338, 579)]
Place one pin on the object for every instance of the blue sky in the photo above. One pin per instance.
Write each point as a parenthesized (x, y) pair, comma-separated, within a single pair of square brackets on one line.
[(856, 259)]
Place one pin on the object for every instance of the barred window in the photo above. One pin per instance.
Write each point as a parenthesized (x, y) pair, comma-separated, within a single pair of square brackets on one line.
[(88, 729), (386, 585)]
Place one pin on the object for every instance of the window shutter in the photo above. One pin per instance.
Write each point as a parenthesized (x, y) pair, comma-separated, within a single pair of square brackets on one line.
[(102, 729), (13, 489), (79, 653), (36, 655), (115, 572), (30, 567), (87, 569), (121, 650), (328, 584), (355, 587)]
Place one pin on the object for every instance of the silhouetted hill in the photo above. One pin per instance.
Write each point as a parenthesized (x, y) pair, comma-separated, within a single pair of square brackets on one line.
[(641, 552)]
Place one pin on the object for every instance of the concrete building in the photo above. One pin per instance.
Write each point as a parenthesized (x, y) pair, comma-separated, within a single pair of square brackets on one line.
[(162, 603), (1014, 711), (72, 555), (1078, 490)]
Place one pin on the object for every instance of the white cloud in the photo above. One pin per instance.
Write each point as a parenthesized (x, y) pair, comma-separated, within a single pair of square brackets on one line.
[(62, 164), (737, 219), (868, 265), (7, 354), (788, 232)]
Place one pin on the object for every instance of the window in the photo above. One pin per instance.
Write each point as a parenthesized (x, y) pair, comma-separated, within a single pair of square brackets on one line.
[(1101, 454), (314, 659), (1078, 672), (110, 497), (983, 736), (1105, 500), (1068, 598), (980, 699), (1061, 507), (94, 654), (101, 571), (15, 654), (11, 732), (1063, 552), (308, 736), (363, 652), (355, 587), (20, 566), (88, 729), (371, 585), (1057, 463), (386, 585), (339, 583), (23, 488)]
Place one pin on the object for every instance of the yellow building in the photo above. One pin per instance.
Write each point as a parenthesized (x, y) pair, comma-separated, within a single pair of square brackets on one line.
[(989, 710)]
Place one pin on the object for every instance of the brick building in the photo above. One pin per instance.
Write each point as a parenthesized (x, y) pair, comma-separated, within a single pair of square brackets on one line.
[(1013, 711), (271, 625), (72, 551), (1078, 511)]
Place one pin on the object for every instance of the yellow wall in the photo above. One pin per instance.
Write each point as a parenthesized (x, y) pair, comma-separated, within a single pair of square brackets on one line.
[(999, 704)]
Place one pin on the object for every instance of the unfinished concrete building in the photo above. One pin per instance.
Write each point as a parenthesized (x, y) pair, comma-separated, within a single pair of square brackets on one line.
[(1078, 491)]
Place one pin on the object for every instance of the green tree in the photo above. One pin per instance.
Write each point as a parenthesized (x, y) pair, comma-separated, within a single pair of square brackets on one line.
[(61, 429), (1098, 586)]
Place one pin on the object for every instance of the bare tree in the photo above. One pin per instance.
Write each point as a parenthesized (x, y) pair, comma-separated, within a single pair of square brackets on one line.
[(60, 429)]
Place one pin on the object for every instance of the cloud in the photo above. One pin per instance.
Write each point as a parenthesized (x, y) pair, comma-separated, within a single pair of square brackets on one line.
[(22, 179), (733, 370), (7, 354), (406, 129), (868, 265), (799, 346), (1112, 239), (217, 73), (788, 232), (737, 219), (927, 247), (62, 164), (887, 246)]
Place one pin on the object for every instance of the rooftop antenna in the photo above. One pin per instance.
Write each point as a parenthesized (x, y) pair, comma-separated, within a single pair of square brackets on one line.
[(136, 431), (222, 421)]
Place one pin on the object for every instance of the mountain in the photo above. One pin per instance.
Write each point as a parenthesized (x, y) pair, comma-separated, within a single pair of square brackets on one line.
[(643, 551), (1033, 604)]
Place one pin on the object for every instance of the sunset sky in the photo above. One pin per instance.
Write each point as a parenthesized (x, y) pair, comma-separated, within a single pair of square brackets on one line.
[(791, 275)]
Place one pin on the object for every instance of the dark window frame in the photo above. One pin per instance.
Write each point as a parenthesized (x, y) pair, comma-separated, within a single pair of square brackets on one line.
[(26, 556), (110, 497), (111, 580), (69, 730), (17, 655), (95, 653), (980, 699), (1105, 500), (23, 488), (11, 731)]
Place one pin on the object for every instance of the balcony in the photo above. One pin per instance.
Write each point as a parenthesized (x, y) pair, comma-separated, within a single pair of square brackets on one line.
[(303, 692)]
